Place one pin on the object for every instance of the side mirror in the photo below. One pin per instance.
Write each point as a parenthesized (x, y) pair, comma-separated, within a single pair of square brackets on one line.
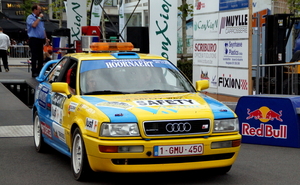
[(202, 84), (44, 71), (61, 87)]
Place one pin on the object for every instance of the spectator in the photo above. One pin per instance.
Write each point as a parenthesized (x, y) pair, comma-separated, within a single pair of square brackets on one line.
[(37, 35), (4, 46)]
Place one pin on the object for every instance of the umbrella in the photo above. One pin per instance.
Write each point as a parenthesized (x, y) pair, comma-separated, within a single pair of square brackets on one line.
[(12, 26)]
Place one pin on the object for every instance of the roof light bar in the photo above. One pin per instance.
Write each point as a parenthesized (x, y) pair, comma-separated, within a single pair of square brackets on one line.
[(111, 46)]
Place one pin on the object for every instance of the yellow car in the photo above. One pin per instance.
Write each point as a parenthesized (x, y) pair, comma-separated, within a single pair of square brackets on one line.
[(129, 112)]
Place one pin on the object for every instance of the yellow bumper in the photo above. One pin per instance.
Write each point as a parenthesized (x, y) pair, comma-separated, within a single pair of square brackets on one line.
[(141, 162)]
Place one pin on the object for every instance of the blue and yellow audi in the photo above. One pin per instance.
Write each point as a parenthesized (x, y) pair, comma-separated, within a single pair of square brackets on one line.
[(127, 112)]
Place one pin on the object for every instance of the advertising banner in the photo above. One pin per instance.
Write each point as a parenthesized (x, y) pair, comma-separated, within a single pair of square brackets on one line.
[(96, 12), (76, 18), (206, 52), (233, 81), (233, 53), (205, 6), (121, 7), (233, 4), (206, 26), (163, 37), (269, 120), (234, 24), (210, 74)]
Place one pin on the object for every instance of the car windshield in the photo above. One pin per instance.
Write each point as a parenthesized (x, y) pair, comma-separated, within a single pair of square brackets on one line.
[(131, 76)]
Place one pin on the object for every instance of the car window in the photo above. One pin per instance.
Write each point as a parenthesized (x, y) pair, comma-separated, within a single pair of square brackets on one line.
[(54, 74), (131, 76)]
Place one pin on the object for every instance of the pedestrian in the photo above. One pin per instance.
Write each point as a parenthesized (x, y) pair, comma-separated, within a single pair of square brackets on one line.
[(37, 38), (4, 46)]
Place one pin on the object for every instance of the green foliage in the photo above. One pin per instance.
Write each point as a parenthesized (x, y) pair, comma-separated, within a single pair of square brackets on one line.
[(26, 6), (294, 6), (186, 9), (186, 68)]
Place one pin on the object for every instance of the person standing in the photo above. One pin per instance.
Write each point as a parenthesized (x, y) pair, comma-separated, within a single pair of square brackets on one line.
[(37, 38), (4, 45)]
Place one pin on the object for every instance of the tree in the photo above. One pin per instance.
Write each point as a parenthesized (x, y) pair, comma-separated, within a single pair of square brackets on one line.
[(26, 6), (294, 6), (186, 10)]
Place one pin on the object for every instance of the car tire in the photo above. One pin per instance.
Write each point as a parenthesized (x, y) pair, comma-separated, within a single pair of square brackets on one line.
[(79, 162), (39, 143)]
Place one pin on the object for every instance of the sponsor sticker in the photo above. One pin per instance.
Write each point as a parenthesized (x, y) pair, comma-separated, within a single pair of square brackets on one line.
[(46, 130), (166, 102), (121, 105), (59, 132), (91, 124), (72, 106)]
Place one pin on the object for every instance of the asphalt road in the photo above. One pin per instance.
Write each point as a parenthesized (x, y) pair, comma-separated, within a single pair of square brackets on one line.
[(20, 164)]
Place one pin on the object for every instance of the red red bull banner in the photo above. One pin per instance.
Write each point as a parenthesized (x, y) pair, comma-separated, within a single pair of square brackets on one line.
[(269, 120)]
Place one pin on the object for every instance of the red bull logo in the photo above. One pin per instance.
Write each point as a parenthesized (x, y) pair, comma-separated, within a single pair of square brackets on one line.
[(265, 130), (264, 114)]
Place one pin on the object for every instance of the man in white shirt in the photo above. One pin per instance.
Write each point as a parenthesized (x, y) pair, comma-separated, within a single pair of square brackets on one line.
[(4, 45)]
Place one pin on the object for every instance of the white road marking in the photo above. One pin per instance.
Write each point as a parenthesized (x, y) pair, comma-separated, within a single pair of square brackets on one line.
[(16, 131)]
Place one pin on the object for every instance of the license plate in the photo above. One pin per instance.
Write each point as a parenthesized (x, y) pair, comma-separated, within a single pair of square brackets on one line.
[(172, 150)]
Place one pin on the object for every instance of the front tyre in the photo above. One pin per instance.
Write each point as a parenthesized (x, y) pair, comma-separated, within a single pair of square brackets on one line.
[(39, 143), (79, 163)]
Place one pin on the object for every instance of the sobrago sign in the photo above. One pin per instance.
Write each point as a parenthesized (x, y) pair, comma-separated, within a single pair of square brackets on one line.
[(163, 29), (76, 17)]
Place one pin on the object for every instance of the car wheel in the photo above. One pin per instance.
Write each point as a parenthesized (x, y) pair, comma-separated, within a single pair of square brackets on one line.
[(39, 143), (79, 162)]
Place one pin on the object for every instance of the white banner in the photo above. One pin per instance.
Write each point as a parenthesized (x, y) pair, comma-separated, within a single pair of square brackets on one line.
[(121, 7), (233, 81), (234, 24), (76, 18), (206, 26), (233, 53), (162, 28), (96, 12), (206, 52), (205, 6)]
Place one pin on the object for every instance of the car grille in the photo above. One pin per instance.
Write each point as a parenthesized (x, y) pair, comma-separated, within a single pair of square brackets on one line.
[(176, 127), (169, 160)]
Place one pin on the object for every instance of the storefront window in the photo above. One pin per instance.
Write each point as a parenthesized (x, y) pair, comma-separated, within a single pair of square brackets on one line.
[(135, 19), (111, 3)]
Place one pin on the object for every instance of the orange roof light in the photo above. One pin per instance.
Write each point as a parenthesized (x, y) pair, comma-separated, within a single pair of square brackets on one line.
[(111, 46)]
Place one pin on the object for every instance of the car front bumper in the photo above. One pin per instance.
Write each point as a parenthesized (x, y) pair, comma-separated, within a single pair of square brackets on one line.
[(143, 162)]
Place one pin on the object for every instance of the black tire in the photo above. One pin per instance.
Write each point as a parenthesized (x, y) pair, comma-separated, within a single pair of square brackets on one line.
[(38, 139), (79, 162)]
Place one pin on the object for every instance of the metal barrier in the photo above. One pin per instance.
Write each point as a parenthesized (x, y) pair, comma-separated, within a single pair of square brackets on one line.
[(19, 51), (277, 78)]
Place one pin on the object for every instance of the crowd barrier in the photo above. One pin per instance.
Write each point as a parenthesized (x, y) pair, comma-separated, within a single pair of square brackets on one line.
[(19, 51)]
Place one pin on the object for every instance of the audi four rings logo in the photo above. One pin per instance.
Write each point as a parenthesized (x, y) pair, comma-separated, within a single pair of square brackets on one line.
[(178, 127)]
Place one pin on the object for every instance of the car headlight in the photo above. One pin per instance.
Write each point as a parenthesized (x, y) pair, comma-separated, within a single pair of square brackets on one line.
[(119, 129), (226, 125)]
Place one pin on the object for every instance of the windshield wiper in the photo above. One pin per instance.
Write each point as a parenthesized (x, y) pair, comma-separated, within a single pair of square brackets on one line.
[(105, 92), (158, 91)]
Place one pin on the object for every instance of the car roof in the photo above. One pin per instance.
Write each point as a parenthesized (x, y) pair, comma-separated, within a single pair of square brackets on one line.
[(105, 56)]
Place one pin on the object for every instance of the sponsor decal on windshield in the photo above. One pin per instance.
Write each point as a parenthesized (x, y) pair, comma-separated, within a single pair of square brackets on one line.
[(166, 102)]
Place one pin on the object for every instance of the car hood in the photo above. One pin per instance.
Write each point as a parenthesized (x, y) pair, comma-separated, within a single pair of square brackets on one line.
[(134, 107)]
